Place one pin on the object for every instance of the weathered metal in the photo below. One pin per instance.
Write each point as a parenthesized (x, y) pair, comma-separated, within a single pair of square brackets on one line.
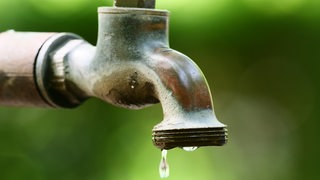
[(137, 69), (132, 66), (51, 70), (18, 53)]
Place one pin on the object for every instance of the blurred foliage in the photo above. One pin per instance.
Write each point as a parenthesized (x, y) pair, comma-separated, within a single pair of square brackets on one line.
[(261, 58)]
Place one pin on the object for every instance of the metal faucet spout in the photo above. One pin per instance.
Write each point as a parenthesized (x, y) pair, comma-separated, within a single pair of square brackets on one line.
[(189, 119), (132, 66)]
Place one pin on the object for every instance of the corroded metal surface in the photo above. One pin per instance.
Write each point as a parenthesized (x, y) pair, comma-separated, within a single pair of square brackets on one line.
[(18, 52), (133, 67)]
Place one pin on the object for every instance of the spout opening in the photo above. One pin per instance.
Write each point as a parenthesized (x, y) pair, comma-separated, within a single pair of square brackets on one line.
[(168, 139)]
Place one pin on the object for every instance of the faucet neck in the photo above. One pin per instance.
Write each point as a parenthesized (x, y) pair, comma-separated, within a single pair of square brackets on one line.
[(126, 32)]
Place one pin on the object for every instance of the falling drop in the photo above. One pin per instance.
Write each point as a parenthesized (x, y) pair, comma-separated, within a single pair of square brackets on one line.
[(190, 149), (164, 167)]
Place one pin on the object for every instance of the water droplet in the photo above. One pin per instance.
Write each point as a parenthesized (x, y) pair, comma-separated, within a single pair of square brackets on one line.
[(132, 86), (164, 166), (190, 149)]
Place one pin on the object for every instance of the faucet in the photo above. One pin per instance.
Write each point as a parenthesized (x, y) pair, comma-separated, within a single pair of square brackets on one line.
[(132, 66)]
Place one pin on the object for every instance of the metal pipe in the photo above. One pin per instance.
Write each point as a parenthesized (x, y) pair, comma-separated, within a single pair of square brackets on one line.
[(18, 53)]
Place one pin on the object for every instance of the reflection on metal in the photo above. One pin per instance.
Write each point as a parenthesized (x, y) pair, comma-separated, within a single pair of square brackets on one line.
[(133, 67), (51, 71)]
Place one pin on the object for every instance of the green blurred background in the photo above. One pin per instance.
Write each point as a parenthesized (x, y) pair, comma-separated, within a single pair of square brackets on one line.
[(260, 57)]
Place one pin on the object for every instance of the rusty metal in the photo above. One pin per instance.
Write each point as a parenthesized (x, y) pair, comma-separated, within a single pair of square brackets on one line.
[(18, 52), (135, 3)]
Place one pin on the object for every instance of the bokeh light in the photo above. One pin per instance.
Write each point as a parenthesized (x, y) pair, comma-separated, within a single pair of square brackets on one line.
[(260, 58), (58, 8), (275, 7)]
